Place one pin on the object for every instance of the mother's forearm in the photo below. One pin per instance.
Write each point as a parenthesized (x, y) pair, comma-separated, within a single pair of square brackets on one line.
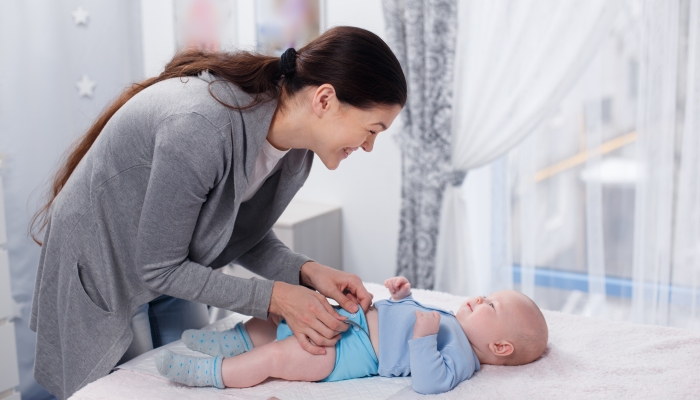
[(191, 281), (307, 272)]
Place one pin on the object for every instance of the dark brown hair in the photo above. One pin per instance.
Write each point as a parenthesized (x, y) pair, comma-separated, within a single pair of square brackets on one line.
[(357, 63)]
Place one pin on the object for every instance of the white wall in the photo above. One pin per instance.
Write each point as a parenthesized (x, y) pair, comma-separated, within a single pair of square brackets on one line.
[(157, 35), (366, 185)]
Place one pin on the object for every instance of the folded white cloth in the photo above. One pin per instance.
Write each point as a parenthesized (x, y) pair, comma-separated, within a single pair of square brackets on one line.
[(586, 359)]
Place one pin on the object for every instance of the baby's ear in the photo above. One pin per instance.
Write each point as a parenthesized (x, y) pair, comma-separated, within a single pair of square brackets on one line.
[(502, 348)]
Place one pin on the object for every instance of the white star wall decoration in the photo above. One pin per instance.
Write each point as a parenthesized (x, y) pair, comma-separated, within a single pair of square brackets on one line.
[(80, 16), (85, 87)]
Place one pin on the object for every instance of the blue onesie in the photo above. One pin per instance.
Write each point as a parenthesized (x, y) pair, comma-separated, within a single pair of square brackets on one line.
[(436, 363), (354, 355)]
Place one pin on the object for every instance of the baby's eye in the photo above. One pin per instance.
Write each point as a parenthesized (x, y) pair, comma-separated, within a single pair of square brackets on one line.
[(491, 304), (373, 132)]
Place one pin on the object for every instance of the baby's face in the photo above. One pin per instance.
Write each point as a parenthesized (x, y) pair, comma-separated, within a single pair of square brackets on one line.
[(489, 321)]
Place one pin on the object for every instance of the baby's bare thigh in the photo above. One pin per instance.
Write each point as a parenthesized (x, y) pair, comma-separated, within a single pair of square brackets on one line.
[(261, 331), (293, 363)]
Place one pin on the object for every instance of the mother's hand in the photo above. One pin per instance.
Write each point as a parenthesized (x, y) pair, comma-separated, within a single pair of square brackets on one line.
[(345, 288), (309, 315)]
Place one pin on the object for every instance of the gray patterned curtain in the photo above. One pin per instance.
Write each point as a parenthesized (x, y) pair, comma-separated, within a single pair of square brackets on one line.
[(422, 34)]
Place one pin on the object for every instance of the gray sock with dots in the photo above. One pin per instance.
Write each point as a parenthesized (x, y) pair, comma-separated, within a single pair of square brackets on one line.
[(224, 344), (189, 370)]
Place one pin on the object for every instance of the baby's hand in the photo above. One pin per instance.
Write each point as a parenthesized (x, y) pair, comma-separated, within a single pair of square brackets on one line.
[(427, 323), (398, 286)]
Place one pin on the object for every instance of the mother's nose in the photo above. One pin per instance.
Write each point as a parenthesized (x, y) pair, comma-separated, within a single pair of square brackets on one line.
[(368, 145)]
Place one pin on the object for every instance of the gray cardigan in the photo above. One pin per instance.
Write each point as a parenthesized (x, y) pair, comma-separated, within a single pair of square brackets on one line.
[(151, 208)]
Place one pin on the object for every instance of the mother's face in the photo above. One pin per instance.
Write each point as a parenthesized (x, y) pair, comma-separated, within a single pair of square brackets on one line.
[(344, 129)]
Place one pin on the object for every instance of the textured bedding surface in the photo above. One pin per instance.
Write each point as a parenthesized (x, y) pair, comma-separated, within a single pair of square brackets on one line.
[(585, 358)]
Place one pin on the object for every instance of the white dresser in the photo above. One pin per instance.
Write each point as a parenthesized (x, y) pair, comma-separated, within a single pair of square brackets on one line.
[(312, 229), (9, 377)]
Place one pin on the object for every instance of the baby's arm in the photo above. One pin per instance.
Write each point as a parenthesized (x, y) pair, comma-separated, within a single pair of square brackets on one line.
[(432, 371), (399, 287)]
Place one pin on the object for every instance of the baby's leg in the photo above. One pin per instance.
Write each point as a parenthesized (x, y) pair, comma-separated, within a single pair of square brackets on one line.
[(237, 340), (261, 331), (285, 359)]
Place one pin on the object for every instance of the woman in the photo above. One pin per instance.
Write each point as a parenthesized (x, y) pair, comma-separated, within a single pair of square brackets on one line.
[(187, 172)]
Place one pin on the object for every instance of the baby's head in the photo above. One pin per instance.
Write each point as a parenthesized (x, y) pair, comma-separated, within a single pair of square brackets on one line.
[(504, 328)]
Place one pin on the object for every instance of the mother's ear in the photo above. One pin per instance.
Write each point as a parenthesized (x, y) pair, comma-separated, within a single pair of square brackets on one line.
[(502, 348), (324, 99)]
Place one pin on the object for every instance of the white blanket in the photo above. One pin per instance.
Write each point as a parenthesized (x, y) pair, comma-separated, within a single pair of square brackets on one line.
[(586, 358)]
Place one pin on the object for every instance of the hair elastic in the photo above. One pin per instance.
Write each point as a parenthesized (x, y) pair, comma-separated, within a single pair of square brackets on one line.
[(288, 62)]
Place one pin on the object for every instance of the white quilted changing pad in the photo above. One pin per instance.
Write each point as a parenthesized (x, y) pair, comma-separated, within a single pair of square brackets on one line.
[(586, 358)]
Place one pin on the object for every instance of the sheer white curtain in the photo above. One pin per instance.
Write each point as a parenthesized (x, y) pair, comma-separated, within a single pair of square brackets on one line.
[(606, 191), (686, 252), (515, 61), (667, 220), (656, 127)]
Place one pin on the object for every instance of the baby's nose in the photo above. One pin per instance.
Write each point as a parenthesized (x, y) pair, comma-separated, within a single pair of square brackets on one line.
[(479, 299)]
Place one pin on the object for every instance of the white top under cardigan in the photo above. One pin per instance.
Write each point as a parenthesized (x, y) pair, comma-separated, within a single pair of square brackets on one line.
[(267, 163)]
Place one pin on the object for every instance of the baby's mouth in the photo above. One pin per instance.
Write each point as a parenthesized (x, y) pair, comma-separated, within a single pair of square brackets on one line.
[(470, 307)]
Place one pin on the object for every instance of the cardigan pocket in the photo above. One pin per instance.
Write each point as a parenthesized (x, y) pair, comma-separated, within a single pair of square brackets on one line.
[(88, 290)]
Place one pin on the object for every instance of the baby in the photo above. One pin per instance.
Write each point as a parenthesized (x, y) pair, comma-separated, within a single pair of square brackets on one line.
[(396, 337)]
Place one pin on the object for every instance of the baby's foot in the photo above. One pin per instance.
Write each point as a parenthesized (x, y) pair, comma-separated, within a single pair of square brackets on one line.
[(225, 344), (191, 371)]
